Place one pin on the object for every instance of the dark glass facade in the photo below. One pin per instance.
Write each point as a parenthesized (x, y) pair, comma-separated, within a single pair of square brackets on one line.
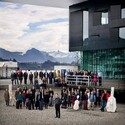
[(97, 30), (110, 62)]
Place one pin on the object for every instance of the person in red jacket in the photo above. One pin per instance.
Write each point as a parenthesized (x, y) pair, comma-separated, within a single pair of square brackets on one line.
[(104, 97)]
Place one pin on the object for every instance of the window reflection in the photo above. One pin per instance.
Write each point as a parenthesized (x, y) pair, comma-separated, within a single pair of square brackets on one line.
[(104, 18), (110, 62), (122, 32)]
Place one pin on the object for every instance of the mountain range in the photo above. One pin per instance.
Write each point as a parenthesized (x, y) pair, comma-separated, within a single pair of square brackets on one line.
[(34, 55)]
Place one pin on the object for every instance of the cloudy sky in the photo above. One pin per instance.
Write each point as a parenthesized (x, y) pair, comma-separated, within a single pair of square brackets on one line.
[(26, 26)]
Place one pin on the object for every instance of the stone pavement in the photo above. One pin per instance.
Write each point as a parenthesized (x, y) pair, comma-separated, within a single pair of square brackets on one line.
[(12, 116)]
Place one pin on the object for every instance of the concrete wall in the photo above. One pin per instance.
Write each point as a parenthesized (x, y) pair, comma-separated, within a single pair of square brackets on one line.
[(6, 73)]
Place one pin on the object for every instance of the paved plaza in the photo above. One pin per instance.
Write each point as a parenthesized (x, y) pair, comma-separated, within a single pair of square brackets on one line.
[(12, 116)]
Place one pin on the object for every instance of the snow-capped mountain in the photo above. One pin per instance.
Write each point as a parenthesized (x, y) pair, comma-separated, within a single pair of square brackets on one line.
[(34, 55), (63, 57)]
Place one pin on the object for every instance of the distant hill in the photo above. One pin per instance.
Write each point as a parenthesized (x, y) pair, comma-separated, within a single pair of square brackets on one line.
[(34, 55)]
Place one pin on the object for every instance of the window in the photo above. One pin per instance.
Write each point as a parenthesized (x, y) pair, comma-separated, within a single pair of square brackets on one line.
[(123, 13), (122, 32), (104, 18), (85, 24)]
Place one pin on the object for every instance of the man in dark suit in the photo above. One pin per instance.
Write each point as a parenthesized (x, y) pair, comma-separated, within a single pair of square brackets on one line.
[(57, 106), (25, 77), (41, 75), (50, 77)]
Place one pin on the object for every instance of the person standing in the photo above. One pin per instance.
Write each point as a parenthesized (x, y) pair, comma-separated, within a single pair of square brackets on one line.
[(16, 78), (30, 99), (100, 76), (12, 77), (16, 96), (64, 102), (27, 98), (73, 98), (105, 97), (24, 97), (95, 80), (20, 75), (20, 99), (81, 100), (57, 105), (69, 99), (31, 78), (54, 76), (41, 75), (46, 75), (98, 97), (35, 75), (92, 100), (51, 93), (46, 99), (92, 79), (88, 95), (37, 97), (33, 93), (7, 97), (85, 97), (25, 77), (41, 98), (50, 77)]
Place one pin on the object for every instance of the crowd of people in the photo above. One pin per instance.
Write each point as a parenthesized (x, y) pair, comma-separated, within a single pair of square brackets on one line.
[(33, 99), (48, 77), (56, 77), (88, 99), (43, 98), (95, 77)]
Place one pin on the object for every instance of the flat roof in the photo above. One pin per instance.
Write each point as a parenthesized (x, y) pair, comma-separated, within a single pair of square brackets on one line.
[(50, 3), (8, 64)]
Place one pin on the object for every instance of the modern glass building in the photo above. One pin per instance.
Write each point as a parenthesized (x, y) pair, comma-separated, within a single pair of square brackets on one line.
[(97, 30)]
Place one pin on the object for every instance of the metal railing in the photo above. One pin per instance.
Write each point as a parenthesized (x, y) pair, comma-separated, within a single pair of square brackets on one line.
[(79, 80)]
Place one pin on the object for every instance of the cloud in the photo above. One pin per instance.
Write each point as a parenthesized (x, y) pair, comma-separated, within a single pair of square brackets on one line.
[(53, 37), (16, 33)]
